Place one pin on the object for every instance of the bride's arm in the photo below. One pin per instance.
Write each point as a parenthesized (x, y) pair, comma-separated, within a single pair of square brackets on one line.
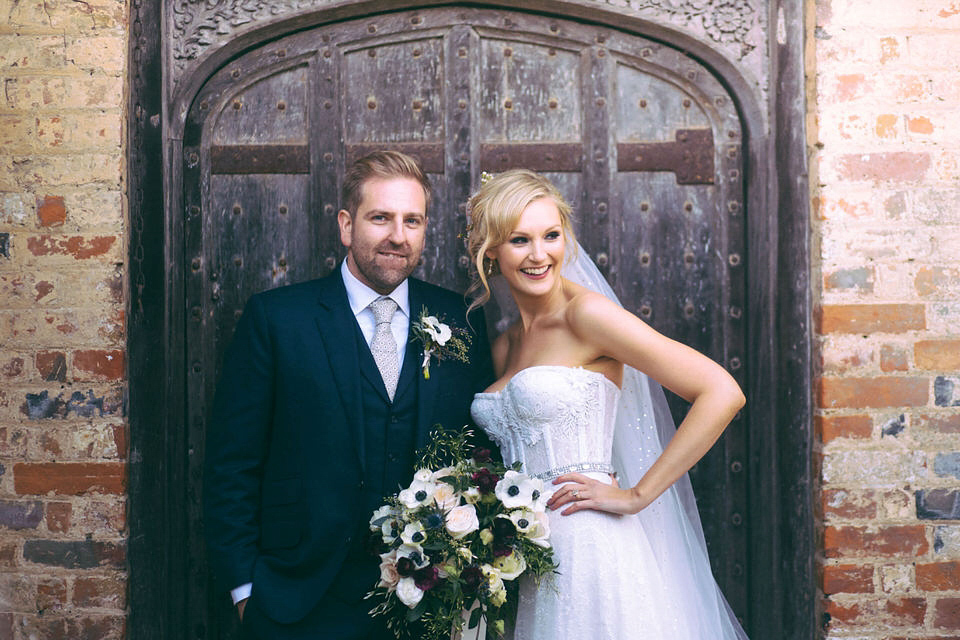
[(714, 395)]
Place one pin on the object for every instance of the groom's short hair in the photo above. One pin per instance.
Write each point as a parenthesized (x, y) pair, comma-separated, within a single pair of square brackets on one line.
[(380, 164)]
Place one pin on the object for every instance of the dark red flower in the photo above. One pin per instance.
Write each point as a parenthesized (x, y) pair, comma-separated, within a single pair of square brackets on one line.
[(472, 578), (501, 552), (426, 578), (485, 480), (481, 455), (405, 567)]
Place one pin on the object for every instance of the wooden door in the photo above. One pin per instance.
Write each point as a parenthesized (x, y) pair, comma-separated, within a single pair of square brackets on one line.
[(643, 141)]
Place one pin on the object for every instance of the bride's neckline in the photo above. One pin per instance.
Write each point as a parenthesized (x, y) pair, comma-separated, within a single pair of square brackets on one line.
[(547, 366)]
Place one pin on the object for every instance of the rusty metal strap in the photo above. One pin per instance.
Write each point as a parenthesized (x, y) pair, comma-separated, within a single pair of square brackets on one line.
[(260, 158), (429, 154), (690, 157), (537, 156)]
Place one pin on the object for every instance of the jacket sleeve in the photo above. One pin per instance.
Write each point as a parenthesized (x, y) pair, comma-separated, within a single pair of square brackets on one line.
[(236, 446)]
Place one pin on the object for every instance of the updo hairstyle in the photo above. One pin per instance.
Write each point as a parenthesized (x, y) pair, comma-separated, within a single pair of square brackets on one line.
[(494, 212)]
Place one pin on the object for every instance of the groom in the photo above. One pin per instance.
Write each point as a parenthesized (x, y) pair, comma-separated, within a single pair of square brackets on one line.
[(320, 407)]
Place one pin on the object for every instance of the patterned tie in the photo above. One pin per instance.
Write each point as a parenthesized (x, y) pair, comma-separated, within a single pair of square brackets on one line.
[(384, 346)]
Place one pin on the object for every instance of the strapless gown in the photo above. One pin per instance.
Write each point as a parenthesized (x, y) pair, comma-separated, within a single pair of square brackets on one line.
[(616, 580)]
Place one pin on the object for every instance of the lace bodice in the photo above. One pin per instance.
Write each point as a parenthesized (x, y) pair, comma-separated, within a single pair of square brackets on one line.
[(551, 417)]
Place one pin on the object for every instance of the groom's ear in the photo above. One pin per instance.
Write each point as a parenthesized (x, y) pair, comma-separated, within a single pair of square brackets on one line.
[(345, 222)]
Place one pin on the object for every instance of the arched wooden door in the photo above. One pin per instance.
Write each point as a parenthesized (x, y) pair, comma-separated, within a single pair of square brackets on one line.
[(643, 140)]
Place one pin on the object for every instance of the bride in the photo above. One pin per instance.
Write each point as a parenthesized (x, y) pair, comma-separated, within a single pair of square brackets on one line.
[(573, 403)]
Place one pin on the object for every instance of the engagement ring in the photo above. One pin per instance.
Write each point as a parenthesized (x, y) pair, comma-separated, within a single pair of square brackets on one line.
[(576, 494)]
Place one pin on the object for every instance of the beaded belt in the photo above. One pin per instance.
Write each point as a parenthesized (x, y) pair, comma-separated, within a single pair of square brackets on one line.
[(579, 467)]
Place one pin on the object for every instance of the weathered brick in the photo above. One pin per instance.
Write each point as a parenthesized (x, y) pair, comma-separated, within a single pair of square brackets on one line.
[(75, 442), (18, 515), (69, 478), (940, 576), (77, 404), (896, 578), (18, 592), (946, 614), (937, 355), (893, 358), (869, 467), (58, 516), (75, 554), (856, 427), (51, 594), (888, 541), (947, 464), (848, 504), (872, 318), (938, 504), (102, 592), (859, 279), (106, 516), (50, 211), (78, 247), (896, 166), (878, 392), (937, 282), (943, 423), (11, 366), (52, 366), (893, 612), (847, 578), (45, 171), (55, 93), (946, 391), (99, 365)]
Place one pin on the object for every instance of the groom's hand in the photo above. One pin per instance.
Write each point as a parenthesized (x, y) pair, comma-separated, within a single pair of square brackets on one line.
[(241, 606)]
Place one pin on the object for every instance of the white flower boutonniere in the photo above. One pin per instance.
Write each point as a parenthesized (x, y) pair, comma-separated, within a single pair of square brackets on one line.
[(440, 340)]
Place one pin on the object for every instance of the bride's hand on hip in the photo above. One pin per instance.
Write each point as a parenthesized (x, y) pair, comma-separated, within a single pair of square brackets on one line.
[(580, 492)]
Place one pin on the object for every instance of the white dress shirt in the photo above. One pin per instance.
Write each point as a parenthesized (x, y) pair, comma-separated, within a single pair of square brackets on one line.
[(360, 296)]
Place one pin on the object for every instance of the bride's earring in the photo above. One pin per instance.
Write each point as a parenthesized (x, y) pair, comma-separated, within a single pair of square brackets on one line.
[(489, 268)]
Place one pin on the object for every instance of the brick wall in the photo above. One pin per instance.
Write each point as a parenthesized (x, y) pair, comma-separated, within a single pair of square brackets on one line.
[(62, 427), (885, 93)]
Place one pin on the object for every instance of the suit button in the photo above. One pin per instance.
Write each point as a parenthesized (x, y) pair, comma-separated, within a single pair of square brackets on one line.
[(391, 457), (349, 540), (394, 419), (360, 485)]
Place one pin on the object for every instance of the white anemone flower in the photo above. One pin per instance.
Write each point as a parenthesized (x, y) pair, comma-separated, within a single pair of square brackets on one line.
[(524, 520), (539, 534), (414, 534), (419, 493), (439, 331), (516, 490)]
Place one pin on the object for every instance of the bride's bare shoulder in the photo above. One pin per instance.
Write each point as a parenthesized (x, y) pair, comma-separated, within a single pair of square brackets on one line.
[(590, 311)]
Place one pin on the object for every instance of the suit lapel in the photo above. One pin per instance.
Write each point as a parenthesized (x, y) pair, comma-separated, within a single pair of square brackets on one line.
[(426, 389), (335, 322)]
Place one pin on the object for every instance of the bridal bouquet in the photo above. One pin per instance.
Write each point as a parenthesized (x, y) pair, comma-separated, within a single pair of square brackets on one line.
[(456, 540)]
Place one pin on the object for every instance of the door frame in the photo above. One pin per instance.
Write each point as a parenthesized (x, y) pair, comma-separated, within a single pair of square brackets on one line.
[(779, 300)]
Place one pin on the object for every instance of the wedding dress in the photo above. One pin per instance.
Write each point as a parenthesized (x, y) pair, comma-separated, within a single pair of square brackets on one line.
[(640, 577), (619, 577)]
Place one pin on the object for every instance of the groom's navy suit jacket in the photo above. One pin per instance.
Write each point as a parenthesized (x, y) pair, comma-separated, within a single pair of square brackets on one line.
[(288, 471)]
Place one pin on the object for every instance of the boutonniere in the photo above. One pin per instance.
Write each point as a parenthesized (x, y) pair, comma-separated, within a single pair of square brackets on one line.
[(439, 339)]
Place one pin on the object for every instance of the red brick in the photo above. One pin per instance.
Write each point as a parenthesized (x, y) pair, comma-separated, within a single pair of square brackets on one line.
[(99, 592), (937, 355), (872, 318), (8, 556), (43, 288), (51, 594), (69, 478), (77, 246), (857, 427), (52, 366), (887, 125), (99, 365), (944, 423), (120, 440), (51, 211), (894, 540), (919, 124), (847, 578), (840, 503), (845, 613), (946, 614), (897, 166), (893, 358), (861, 393), (941, 576), (12, 368), (58, 516), (907, 611)]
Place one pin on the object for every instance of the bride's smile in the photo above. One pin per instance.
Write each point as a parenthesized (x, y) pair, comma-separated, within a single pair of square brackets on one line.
[(531, 255)]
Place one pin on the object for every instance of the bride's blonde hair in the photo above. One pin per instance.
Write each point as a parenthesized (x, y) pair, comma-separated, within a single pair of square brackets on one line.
[(494, 212)]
